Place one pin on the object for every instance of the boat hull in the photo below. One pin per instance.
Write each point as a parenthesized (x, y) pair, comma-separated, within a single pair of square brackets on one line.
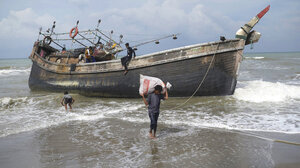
[(185, 75)]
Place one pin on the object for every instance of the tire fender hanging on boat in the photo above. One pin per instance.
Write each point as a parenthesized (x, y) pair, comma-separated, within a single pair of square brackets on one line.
[(71, 32)]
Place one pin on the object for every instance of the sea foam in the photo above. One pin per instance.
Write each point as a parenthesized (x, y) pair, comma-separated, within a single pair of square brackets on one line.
[(8, 101), (14, 72), (257, 58), (259, 91)]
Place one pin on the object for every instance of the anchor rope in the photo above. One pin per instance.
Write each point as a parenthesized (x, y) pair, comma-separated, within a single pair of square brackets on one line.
[(268, 139), (258, 136), (202, 81), (241, 132)]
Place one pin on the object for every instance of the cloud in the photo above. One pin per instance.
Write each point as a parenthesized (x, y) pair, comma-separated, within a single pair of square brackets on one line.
[(23, 24), (151, 19), (197, 20), (169, 16)]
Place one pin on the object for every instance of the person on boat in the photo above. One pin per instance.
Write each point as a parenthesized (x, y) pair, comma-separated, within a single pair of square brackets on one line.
[(100, 52), (125, 60), (67, 100), (63, 51), (89, 55), (101, 47), (153, 103)]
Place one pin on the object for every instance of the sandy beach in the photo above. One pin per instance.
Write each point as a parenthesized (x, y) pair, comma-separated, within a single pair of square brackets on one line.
[(69, 145)]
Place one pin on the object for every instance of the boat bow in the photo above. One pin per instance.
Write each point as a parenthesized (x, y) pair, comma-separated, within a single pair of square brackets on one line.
[(245, 31)]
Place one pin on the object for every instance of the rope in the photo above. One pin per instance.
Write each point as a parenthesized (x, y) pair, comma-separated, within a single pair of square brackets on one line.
[(204, 76), (200, 84), (258, 136), (268, 139), (241, 132), (286, 142)]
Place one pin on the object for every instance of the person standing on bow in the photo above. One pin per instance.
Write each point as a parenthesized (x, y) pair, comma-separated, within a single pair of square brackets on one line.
[(125, 60)]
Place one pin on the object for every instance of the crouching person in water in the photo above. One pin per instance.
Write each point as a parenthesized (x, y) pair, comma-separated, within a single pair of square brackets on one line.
[(67, 100), (153, 103)]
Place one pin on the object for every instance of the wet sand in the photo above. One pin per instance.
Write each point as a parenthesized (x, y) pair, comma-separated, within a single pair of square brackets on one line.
[(117, 143)]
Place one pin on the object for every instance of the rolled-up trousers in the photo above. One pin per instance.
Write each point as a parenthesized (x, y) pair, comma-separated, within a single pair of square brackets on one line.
[(153, 118)]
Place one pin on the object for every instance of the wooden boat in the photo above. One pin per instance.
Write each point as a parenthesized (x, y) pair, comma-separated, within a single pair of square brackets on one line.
[(183, 67)]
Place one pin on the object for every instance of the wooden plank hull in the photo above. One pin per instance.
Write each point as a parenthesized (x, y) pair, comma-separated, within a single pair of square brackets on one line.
[(184, 74)]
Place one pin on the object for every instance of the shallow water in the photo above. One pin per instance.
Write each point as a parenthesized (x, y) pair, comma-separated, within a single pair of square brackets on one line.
[(113, 132)]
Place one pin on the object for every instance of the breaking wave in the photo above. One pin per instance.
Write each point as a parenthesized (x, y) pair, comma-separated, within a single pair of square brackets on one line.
[(10, 102), (31, 113), (259, 91), (14, 72), (256, 58), (245, 110)]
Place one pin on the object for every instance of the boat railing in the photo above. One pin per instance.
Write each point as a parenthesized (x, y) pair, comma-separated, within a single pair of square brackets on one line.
[(164, 56)]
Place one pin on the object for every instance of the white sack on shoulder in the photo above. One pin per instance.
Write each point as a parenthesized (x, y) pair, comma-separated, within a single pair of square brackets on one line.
[(147, 84)]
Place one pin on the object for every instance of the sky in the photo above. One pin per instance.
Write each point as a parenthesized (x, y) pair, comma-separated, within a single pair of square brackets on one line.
[(197, 21)]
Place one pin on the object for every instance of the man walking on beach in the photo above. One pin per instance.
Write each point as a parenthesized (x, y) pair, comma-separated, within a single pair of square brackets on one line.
[(153, 103), (67, 100), (125, 60)]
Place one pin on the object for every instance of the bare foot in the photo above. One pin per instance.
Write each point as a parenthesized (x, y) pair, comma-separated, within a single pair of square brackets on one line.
[(150, 134), (125, 72)]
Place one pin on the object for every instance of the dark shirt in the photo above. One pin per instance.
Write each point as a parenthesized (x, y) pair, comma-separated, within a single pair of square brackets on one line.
[(154, 102), (130, 51), (67, 99)]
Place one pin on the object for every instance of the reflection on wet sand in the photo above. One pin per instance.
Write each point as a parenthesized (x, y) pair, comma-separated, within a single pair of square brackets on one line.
[(115, 143)]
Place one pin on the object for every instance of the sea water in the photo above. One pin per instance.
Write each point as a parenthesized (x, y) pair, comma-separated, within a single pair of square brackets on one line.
[(114, 132)]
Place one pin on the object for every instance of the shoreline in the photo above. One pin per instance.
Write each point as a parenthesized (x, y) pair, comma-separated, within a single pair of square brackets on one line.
[(65, 145)]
